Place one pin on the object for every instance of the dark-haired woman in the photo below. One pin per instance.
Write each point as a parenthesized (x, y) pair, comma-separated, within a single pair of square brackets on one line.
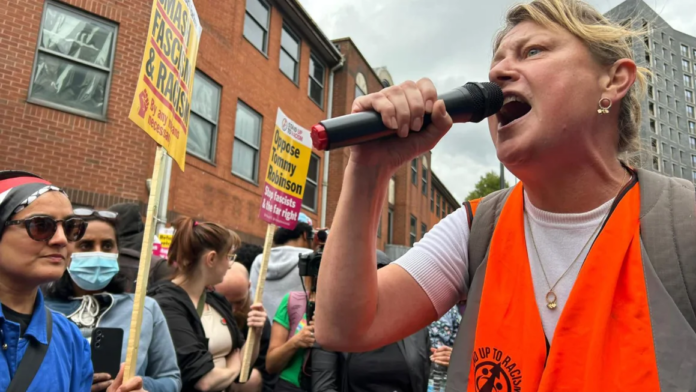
[(207, 340), (91, 294), (37, 223)]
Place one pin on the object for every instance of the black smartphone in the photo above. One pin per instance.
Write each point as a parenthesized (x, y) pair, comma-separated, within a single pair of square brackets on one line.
[(106, 347)]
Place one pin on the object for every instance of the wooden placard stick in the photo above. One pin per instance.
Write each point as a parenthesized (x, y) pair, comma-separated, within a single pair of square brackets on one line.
[(144, 267), (258, 298)]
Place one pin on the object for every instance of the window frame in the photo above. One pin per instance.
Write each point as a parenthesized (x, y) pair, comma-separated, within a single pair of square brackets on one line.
[(390, 225), (691, 113), (266, 28), (213, 141), (424, 178), (684, 50), (110, 71), (258, 149), (315, 59), (289, 30), (413, 233), (414, 171), (316, 183), (424, 229)]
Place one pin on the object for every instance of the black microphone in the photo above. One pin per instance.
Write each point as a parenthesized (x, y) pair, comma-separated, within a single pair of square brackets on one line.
[(471, 102)]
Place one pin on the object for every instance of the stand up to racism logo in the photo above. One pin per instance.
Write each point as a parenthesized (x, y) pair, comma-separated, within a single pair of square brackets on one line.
[(495, 372)]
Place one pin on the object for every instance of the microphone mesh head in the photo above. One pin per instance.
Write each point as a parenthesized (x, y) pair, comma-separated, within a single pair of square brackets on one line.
[(488, 99)]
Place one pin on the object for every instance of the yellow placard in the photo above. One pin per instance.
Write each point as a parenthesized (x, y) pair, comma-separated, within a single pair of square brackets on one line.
[(286, 175), (162, 103)]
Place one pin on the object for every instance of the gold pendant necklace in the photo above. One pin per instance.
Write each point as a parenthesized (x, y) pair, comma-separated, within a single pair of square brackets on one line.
[(551, 297)]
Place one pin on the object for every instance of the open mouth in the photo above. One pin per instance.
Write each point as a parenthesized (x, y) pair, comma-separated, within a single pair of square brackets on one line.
[(514, 108)]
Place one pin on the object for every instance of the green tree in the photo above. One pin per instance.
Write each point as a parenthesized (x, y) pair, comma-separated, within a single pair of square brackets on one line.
[(489, 183)]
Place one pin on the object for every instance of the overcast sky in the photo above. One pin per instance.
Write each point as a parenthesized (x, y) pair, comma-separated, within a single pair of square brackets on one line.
[(448, 41)]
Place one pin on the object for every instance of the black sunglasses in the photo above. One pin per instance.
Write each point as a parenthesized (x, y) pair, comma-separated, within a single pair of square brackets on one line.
[(88, 213), (43, 228)]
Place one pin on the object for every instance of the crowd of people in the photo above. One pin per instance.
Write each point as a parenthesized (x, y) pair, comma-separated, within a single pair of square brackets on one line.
[(337, 315), (66, 277)]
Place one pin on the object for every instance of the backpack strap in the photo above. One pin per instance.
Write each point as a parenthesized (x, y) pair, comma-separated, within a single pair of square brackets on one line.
[(297, 307), (32, 359), (484, 216), (668, 227)]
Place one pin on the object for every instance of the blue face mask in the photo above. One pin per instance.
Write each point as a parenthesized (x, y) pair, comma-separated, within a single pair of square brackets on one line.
[(93, 271)]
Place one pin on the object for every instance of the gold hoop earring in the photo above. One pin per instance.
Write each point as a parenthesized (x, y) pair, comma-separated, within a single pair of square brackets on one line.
[(603, 108)]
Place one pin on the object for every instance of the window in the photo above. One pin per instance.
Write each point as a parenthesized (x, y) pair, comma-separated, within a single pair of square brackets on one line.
[(309, 199), (205, 110), (663, 130), (247, 138), (693, 176), (651, 92), (432, 199), (289, 54), (681, 156), (390, 226), (686, 67), (664, 165), (684, 50), (672, 57), (675, 170), (671, 42), (316, 81), (687, 81), (379, 227), (690, 111), (669, 100), (73, 63), (442, 212), (651, 109), (693, 160), (424, 177), (692, 143), (652, 126), (674, 153), (392, 191), (665, 67), (424, 229), (674, 75), (656, 163), (694, 54), (653, 145), (360, 85), (672, 135), (414, 171), (437, 206), (256, 22), (664, 53), (664, 148), (692, 127), (683, 172), (671, 118), (689, 95), (414, 222)]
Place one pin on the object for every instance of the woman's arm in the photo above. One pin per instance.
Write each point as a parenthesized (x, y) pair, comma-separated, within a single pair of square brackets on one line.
[(280, 349)]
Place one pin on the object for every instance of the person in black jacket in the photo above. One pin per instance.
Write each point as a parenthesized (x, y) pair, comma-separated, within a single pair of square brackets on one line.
[(403, 366), (206, 337), (236, 288)]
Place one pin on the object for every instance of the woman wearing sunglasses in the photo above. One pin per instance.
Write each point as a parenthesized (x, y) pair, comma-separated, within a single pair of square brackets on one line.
[(91, 294), (37, 224)]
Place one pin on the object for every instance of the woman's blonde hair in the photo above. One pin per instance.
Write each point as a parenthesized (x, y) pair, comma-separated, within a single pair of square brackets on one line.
[(606, 40)]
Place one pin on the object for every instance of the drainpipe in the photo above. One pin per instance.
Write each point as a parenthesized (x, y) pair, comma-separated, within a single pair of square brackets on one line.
[(325, 180), (164, 195)]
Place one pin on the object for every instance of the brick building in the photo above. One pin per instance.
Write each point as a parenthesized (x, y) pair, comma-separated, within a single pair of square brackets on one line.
[(68, 80), (409, 208)]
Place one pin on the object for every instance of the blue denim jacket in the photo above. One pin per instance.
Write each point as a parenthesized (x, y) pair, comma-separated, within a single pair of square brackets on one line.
[(67, 365)]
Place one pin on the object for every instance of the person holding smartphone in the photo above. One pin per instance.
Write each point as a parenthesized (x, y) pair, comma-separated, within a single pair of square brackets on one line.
[(91, 294)]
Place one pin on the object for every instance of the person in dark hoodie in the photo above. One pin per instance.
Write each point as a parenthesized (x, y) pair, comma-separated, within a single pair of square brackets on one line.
[(283, 275), (130, 230), (403, 366), (207, 340)]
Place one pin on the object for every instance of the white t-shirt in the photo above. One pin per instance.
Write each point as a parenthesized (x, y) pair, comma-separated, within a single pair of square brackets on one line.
[(439, 262)]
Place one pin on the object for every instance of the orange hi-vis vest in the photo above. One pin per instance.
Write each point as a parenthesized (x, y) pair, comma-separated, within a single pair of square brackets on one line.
[(620, 328)]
